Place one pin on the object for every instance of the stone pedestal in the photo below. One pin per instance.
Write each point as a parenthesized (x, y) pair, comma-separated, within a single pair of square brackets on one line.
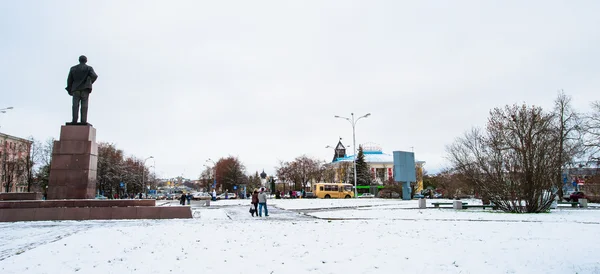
[(422, 203), (457, 204), (20, 196), (74, 164), (583, 203)]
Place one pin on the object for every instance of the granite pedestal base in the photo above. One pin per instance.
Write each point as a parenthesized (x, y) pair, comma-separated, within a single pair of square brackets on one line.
[(54, 210), (16, 196), (74, 164)]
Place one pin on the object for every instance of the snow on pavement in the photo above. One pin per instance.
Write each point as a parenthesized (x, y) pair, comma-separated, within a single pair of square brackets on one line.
[(224, 238)]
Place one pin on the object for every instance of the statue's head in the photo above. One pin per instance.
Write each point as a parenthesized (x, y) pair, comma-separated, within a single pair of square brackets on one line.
[(82, 59)]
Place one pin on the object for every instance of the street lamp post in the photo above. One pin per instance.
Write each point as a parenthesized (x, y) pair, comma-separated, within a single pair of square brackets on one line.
[(353, 123), (144, 181)]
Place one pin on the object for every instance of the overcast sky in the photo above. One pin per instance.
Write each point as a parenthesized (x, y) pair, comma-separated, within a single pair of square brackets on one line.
[(185, 81)]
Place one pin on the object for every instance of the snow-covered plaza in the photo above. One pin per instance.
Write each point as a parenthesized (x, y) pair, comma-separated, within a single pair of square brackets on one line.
[(312, 236)]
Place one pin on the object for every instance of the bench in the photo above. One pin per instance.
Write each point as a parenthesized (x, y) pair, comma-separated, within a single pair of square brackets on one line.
[(573, 204), (481, 206), (436, 205)]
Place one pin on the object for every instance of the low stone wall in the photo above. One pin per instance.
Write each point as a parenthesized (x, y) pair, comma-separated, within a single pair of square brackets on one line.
[(94, 213), (17, 196), (76, 203)]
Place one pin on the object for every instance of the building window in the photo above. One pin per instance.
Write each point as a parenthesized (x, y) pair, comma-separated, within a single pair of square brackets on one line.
[(381, 173)]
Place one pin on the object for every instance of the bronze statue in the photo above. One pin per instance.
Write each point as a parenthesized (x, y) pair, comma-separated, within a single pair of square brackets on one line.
[(79, 86)]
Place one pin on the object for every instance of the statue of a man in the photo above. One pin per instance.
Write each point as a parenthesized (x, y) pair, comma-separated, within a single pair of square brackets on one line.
[(79, 86)]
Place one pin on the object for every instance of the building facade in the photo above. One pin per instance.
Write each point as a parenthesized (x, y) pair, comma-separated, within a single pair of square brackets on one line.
[(13, 163), (380, 164)]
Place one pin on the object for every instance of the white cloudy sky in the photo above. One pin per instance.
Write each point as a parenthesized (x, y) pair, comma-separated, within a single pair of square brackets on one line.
[(188, 80)]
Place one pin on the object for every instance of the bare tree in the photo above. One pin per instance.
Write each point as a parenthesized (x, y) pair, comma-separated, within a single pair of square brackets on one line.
[(300, 171), (13, 169), (207, 178), (328, 172), (514, 161), (43, 159), (110, 168), (592, 132), (569, 129)]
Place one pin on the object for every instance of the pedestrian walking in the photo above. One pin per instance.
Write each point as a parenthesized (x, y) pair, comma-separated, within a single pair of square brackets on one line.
[(182, 199), (189, 198), (255, 202), (262, 202)]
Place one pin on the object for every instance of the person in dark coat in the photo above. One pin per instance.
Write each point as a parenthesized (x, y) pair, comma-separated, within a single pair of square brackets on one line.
[(255, 202), (182, 199)]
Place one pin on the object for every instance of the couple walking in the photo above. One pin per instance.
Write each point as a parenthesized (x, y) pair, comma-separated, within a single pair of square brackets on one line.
[(260, 200)]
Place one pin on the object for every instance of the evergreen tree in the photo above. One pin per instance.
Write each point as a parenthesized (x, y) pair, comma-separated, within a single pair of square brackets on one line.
[(363, 174)]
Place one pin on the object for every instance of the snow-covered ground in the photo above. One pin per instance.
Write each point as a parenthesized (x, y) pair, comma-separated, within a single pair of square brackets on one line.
[(312, 236)]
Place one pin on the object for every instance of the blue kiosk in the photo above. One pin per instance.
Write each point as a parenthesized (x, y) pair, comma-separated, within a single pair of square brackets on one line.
[(404, 171)]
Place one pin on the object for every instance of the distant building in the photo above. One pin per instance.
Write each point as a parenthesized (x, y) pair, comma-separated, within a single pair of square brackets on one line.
[(13, 153), (380, 164)]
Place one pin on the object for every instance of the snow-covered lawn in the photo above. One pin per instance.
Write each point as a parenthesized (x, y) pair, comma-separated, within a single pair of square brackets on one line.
[(312, 236)]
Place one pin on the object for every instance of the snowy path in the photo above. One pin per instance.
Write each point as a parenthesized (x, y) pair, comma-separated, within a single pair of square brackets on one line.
[(387, 238)]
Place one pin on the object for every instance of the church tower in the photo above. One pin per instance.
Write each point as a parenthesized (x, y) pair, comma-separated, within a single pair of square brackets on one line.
[(339, 151)]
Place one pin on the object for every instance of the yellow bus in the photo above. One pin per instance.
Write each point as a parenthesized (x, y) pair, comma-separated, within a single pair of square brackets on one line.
[(326, 190)]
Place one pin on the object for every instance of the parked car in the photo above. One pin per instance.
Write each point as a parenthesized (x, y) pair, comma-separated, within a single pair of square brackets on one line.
[(388, 194), (366, 195), (229, 196), (201, 196), (310, 195), (575, 196)]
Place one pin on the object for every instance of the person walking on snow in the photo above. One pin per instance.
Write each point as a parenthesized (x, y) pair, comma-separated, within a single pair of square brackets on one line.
[(255, 202), (182, 199), (262, 202)]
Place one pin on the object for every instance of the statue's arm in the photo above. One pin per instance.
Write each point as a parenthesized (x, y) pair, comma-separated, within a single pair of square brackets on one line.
[(93, 75), (69, 82)]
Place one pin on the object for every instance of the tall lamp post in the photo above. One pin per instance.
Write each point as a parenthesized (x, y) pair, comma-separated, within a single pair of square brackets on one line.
[(353, 123), (144, 181)]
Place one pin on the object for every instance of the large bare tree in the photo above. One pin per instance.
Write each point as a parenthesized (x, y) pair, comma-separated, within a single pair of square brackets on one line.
[(569, 127), (592, 132), (300, 171), (514, 160)]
